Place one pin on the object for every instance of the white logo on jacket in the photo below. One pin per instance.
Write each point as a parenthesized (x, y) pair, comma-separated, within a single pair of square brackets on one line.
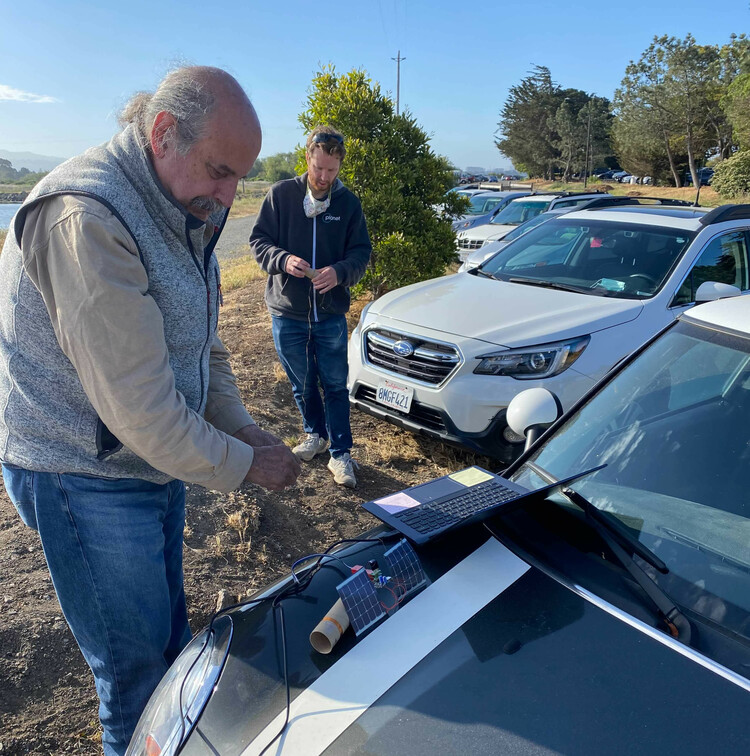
[(328, 218)]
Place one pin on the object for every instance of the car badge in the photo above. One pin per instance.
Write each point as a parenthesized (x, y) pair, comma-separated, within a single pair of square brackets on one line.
[(403, 348)]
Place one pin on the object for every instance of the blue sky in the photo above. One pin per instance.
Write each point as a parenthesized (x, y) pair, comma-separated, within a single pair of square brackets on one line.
[(67, 68)]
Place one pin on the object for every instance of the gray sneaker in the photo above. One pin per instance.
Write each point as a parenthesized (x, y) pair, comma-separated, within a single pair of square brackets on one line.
[(343, 470), (311, 446)]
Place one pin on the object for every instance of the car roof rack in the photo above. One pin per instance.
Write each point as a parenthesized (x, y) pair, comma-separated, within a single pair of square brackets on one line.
[(646, 201), (726, 213)]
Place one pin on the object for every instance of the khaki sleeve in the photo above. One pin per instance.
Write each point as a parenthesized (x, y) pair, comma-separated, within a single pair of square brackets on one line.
[(95, 288), (224, 408)]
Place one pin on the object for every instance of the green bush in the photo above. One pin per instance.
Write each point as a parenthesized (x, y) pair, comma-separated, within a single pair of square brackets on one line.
[(732, 176), (400, 181)]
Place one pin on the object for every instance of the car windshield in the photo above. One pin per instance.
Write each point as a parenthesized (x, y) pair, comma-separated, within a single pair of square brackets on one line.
[(672, 429), (519, 211), (613, 259), (481, 204), (524, 227)]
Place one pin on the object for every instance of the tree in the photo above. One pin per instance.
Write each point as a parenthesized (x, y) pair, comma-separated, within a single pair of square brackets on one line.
[(643, 112), (278, 167), (543, 127), (391, 167), (527, 124)]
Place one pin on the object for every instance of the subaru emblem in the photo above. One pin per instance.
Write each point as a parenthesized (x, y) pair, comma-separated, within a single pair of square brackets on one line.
[(403, 348)]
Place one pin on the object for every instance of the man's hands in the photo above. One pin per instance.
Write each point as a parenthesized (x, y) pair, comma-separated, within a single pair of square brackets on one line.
[(324, 279), (274, 466), (296, 266), (255, 436)]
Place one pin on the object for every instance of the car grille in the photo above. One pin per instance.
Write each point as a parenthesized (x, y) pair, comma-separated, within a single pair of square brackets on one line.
[(431, 362), (470, 243), (427, 417)]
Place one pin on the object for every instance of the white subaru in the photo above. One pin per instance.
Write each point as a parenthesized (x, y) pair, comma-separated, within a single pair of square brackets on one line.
[(557, 308)]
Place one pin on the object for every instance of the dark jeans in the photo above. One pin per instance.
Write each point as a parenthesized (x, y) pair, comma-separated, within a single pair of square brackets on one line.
[(114, 550), (312, 354)]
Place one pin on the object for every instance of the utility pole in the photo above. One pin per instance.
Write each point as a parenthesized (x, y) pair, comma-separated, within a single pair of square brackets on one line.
[(398, 79)]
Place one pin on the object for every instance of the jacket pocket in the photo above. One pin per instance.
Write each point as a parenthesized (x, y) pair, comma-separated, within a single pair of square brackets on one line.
[(106, 441)]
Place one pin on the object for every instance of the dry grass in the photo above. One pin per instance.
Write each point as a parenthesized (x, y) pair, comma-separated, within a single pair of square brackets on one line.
[(708, 196), (248, 202), (239, 271), (3, 234), (278, 372)]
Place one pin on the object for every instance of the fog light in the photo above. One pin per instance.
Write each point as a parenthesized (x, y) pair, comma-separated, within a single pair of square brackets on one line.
[(512, 437)]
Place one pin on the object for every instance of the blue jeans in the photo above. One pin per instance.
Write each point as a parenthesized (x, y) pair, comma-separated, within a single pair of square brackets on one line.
[(314, 353), (114, 550)]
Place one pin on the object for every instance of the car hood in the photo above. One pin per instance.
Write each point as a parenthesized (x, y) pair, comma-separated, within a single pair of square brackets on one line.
[(487, 231), (501, 313), (493, 653)]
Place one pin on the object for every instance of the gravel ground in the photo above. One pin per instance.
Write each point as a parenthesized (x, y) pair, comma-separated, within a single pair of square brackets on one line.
[(233, 240)]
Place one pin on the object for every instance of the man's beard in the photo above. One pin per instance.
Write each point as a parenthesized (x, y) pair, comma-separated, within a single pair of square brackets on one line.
[(207, 204)]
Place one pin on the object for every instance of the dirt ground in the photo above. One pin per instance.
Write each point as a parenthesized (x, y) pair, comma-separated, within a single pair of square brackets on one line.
[(233, 542)]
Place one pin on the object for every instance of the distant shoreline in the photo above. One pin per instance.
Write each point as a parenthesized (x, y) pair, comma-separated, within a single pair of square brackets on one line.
[(13, 198)]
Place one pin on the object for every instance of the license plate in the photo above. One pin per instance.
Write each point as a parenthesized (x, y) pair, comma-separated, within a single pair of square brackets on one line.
[(394, 395)]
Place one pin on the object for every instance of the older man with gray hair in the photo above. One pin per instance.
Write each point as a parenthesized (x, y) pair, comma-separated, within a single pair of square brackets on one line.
[(114, 387)]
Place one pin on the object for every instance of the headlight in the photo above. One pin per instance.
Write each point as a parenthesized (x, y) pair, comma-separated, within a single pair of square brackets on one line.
[(179, 699), (488, 241), (533, 362)]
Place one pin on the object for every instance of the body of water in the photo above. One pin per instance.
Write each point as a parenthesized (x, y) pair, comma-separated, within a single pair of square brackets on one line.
[(6, 213)]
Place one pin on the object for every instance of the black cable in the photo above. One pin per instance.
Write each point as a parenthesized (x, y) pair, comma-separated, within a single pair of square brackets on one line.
[(286, 677), (295, 587)]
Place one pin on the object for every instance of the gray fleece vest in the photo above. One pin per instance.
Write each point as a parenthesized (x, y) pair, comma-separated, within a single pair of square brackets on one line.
[(46, 420)]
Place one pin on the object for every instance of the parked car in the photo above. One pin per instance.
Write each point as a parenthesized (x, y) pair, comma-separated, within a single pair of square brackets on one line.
[(704, 175), (471, 259), (608, 617), (557, 308), (515, 213), (485, 205)]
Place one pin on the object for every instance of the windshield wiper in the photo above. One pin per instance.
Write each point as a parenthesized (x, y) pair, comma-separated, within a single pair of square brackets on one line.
[(677, 623), (549, 285), (624, 545), (480, 272)]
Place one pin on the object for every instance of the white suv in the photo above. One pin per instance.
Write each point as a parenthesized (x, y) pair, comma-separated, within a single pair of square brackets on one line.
[(557, 308)]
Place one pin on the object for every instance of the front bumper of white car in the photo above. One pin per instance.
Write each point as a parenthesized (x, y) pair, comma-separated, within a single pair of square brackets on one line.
[(448, 401)]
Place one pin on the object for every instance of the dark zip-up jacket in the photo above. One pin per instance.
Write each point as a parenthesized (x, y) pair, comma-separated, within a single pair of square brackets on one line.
[(337, 237)]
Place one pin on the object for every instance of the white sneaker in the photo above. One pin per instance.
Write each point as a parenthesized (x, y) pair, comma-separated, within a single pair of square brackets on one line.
[(311, 446), (343, 470)]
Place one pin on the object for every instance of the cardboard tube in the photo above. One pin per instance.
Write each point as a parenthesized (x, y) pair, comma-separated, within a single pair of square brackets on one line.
[(328, 631), (311, 273)]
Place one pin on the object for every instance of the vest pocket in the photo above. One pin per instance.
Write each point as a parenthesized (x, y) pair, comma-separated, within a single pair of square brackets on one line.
[(106, 441)]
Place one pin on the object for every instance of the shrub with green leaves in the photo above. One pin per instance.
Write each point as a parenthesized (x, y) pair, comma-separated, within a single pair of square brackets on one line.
[(399, 180), (732, 176)]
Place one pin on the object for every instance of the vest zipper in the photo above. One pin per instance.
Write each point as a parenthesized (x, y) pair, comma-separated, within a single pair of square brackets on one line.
[(204, 275)]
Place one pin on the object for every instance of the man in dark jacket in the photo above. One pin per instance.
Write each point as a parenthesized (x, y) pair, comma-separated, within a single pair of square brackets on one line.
[(311, 238)]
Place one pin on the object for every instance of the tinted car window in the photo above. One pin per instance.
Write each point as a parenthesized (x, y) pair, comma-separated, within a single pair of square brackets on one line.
[(519, 211), (724, 260)]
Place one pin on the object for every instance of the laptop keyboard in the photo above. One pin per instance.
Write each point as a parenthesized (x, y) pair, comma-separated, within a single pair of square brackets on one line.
[(439, 514)]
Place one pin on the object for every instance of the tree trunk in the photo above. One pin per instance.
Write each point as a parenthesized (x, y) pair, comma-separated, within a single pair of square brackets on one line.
[(672, 166), (691, 159)]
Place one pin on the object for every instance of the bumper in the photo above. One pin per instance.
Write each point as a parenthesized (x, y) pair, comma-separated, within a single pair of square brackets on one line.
[(435, 423)]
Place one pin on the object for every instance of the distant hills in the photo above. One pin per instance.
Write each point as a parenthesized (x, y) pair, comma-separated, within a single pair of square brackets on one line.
[(30, 160)]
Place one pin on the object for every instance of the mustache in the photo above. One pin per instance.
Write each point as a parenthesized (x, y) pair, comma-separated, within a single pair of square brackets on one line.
[(208, 204)]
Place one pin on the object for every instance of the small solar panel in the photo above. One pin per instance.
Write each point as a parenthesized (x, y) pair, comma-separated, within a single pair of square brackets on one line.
[(405, 567), (360, 601)]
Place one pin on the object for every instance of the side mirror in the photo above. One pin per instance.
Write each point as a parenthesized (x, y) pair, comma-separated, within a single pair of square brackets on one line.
[(709, 291), (531, 412)]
